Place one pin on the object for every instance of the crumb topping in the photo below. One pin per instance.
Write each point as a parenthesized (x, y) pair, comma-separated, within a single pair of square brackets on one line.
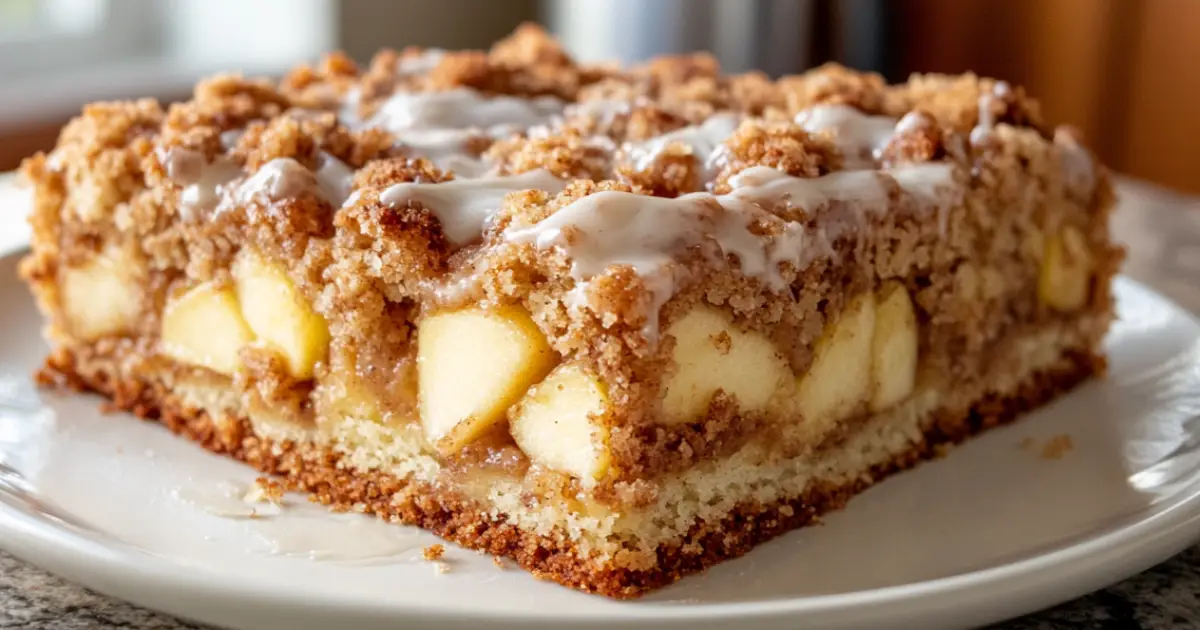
[(433, 552)]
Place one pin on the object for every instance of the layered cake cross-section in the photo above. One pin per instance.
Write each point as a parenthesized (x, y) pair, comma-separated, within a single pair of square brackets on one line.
[(618, 324)]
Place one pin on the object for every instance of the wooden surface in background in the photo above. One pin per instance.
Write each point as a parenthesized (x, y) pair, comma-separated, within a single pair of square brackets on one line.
[(1123, 71), (18, 143), (1163, 139)]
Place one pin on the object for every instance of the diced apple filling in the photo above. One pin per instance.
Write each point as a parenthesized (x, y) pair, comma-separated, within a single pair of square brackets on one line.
[(865, 359), (208, 326), (711, 355), (1065, 280), (472, 365), (839, 379), (103, 297), (278, 314), (205, 327), (894, 351), (556, 424)]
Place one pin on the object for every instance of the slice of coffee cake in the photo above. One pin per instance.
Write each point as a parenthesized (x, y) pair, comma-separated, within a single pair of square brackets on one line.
[(618, 325)]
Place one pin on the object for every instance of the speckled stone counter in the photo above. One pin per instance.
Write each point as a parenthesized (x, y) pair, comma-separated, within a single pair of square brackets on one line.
[(1166, 597), (1163, 233)]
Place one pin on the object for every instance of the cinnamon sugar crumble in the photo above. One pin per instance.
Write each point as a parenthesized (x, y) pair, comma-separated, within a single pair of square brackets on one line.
[(266, 490), (1057, 447), (722, 342), (433, 552)]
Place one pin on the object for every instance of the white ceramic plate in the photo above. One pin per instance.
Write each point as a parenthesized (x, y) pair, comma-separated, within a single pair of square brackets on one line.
[(991, 531)]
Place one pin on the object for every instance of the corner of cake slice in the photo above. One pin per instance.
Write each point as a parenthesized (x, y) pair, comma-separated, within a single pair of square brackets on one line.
[(618, 325)]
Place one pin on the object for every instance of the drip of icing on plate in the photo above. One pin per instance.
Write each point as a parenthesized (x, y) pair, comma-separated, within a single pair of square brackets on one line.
[(297, 529), (337, 538), (225, 499)]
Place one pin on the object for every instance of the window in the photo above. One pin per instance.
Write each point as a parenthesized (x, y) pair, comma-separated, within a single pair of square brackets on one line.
[(56, 55), (41, 36)]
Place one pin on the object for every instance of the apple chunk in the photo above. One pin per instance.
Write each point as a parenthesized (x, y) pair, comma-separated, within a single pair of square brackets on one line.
[(894, 364), (204, 327), (472, 365), (103, 297), (1064, 281), (710, 355), (838, 382), (557, 423), (278, 314)]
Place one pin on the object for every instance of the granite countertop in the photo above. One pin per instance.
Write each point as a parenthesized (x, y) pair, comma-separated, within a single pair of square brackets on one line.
[(1163, 234)]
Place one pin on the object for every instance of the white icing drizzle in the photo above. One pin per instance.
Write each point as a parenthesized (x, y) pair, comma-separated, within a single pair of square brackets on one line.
[(603, 110), (465, 206), (704, 140), (211, 186), (284, 178), (335, 178), (647, 233), (422, 63), (439, 125), (447, 149), (230, 138), (462, 108), (203, 182), (987, 120), (278, 179), (618, 228), (348, 110), (860, 137), (765, 186), (932, 184)]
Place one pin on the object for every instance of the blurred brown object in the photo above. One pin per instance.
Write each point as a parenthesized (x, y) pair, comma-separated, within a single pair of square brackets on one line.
[(1125, 72), (17, 143)]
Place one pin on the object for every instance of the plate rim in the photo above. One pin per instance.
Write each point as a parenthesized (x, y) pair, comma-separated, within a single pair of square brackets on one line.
[(1031, 582)]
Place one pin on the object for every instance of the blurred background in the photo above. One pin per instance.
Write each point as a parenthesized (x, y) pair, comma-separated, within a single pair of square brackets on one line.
[(1122, 71)]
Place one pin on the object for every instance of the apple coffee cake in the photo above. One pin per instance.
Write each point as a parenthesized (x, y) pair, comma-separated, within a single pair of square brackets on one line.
[(615, 323)]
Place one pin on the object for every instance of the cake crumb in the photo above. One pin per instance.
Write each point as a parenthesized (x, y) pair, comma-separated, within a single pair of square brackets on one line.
[(499, 563), (440, 567), (1057, 447), (265, 491), (722, 342), (433, 553), (1053, 448)]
